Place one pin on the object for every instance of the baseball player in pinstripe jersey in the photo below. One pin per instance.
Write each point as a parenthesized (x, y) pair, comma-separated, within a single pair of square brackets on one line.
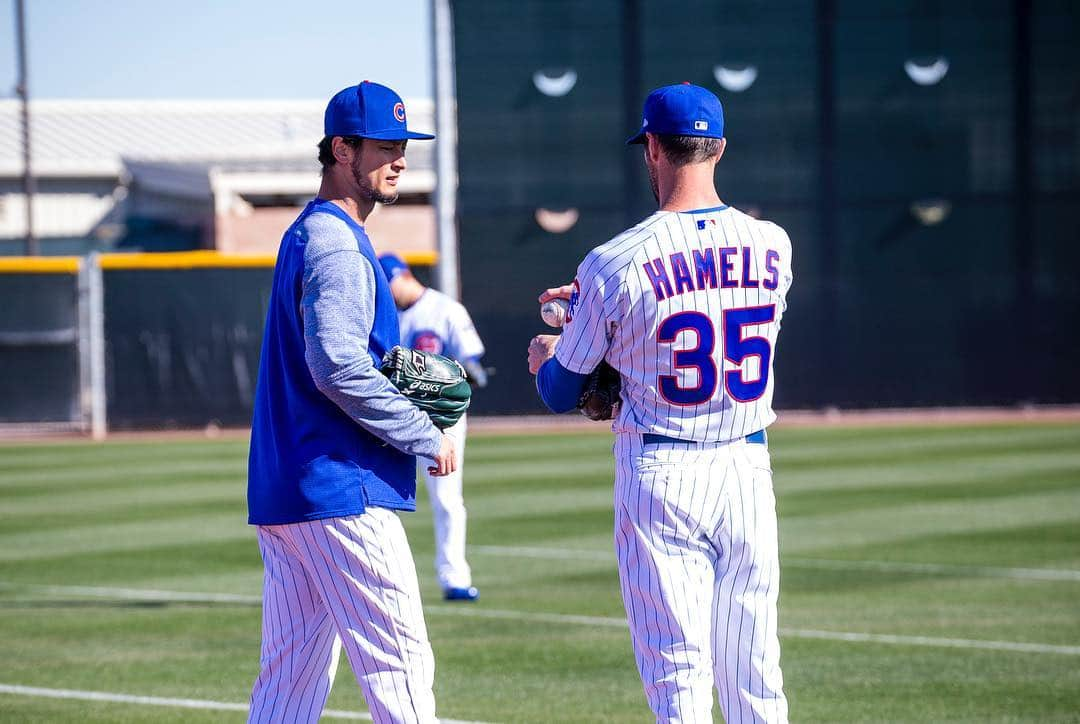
[(433, 322), (334, 445), (686, 305)]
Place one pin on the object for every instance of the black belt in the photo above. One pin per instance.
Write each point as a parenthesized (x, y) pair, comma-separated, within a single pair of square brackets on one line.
[(650, 438)]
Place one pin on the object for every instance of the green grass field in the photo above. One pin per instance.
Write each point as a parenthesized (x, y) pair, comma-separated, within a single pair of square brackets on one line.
[(930, 574)]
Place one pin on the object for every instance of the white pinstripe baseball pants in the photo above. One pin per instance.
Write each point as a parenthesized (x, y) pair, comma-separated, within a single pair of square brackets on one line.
[(449, 515), (696, 539), (338, 581)]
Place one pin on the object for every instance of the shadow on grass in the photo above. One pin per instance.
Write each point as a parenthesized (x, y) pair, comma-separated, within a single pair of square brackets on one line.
[(107, 603)]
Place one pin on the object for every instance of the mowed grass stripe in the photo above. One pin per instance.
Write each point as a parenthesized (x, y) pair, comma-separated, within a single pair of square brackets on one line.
[(127, 498), (123, 535), (803, 452), (944, 569), (951, 570), (893, 436), (534, 526), (502, 449), (511, 503), (998, 484), (169, 702), (1027, 546), (569, 619), (511, 482), (788, 478), (129, 509), (796, 443), (929, 604), (172, 703), (33, 458), (909, 522), (875, 469), (225, 561), (556, 471), (163, 470), (105, 508), (38, 514), (926, 445)]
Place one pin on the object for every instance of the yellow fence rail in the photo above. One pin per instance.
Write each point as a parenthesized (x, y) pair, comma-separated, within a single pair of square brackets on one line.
[(40, 264), (204, 259)]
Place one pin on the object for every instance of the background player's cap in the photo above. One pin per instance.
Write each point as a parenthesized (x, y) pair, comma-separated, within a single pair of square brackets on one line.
[(393, 266), (368, 110), (681, 110)]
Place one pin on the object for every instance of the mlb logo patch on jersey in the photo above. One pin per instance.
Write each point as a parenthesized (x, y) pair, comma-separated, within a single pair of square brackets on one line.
[(702, 223)]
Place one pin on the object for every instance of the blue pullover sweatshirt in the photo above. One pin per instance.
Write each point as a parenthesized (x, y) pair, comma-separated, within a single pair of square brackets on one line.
[(330, 435)]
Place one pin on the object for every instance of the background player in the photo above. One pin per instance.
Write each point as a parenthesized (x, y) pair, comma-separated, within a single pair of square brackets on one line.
[(686, 306), (333, 445), (433, 322)]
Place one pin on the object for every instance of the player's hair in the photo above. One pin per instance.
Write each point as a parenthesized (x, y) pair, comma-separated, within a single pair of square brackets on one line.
[(326, 149), (681, 150)]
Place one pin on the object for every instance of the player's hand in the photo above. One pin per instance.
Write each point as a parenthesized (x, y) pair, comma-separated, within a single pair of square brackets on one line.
[(562, 292), (541, 349), (445, 460)]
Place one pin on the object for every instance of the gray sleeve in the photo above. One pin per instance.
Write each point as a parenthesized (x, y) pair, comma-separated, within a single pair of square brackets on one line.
[(338, 310)]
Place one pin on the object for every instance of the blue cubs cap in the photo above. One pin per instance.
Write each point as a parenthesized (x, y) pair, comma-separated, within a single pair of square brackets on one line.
[(681, 110), (368, 110), (393, 266)]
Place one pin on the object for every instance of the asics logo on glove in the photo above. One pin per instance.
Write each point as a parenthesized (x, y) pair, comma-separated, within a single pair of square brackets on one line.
[(424, 386)]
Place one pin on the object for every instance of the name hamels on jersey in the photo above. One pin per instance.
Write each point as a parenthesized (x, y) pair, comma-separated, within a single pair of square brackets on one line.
[(691, 306), (705, 263)]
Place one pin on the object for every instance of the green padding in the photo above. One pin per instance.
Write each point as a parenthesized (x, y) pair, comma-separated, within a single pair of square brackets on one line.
[(886, 310), (38, 351), (183, 345)]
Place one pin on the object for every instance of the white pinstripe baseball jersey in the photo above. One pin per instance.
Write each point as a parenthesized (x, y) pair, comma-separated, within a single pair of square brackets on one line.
[(436, 323), (687, 307)]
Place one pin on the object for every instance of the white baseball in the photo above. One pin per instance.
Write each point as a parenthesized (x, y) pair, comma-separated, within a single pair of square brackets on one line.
[(553, 312)]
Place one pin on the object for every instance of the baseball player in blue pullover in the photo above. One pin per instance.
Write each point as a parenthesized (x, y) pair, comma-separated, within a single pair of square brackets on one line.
[(334, 445)]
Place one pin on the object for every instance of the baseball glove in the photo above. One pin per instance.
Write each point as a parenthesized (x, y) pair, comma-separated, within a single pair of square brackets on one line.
[(435, 384), (600, 398)]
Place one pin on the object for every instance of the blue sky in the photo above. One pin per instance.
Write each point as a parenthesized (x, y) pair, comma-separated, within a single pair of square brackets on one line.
[(224, 49)]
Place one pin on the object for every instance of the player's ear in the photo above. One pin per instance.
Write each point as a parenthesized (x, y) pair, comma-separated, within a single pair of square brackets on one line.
[(343, 152), (720, 148), (652, 147)]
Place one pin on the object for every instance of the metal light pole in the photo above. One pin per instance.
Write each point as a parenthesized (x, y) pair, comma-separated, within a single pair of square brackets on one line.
[(442, 57), (23, 91)]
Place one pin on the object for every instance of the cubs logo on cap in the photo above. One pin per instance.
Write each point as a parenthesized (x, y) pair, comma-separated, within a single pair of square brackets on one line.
[(681, 110), (368, 110)]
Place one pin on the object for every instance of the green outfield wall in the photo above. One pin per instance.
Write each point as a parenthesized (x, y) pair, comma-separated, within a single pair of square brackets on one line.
[(923, 156), (179, 336)]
